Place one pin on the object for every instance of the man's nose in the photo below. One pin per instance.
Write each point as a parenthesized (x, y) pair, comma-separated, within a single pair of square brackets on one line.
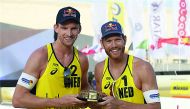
[(113, 44), (69, 32)]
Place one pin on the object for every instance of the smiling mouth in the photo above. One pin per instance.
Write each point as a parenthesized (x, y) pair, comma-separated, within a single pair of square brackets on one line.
[(114, 51), (68, 39)]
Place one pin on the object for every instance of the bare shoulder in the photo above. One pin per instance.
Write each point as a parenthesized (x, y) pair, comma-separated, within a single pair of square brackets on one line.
[(142, 65), (40, 54), (144, 74), (98, 73), (83, 58), (99, 67), (36, 61), (83, 62)]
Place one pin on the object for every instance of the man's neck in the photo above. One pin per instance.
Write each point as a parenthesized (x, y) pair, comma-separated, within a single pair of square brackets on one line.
[(59, 47), (118, 62)]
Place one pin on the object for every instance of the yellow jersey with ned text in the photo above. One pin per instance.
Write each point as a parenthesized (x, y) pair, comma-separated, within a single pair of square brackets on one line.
[(124, 87)]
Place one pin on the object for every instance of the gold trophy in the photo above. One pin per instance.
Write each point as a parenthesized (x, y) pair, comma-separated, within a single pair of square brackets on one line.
[(90, 96)]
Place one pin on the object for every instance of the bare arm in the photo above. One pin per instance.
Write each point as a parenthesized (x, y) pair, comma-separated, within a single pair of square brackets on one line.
[(22, 96), (113, 103), (84, 67), (148, 80), (145, 80), (98, 73)]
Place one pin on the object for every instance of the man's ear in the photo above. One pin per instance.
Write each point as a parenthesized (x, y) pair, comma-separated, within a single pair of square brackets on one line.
[(80, 28), (101, 42), (55, 27), (125, 38)]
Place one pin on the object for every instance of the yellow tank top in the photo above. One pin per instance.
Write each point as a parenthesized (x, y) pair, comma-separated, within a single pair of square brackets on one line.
[(53, 83), (124, 87)]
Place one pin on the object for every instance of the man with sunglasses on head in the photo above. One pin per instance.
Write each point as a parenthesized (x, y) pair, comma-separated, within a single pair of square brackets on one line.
[(128, 82), (58, 69)]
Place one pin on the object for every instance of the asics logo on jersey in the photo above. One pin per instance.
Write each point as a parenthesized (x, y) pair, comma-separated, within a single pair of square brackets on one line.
[(53, 71), (107, 85)]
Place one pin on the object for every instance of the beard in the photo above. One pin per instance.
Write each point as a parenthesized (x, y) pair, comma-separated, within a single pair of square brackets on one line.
[(118, 56)]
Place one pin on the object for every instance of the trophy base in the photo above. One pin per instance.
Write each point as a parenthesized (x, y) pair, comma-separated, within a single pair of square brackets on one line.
[(90, 100), (90, 96)]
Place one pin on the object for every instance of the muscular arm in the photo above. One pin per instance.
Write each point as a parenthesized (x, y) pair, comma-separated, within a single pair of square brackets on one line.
[(145, 80), (24, 99), (98, 73), (113, 103), (22, 96), (148, 79), (84, 67)]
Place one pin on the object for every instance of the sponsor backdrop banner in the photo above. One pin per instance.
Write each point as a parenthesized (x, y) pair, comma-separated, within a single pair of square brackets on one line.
[(155, 29)]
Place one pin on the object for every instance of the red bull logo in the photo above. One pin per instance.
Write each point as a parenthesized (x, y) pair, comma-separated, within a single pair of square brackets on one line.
[(70, 12), (110, 27)]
